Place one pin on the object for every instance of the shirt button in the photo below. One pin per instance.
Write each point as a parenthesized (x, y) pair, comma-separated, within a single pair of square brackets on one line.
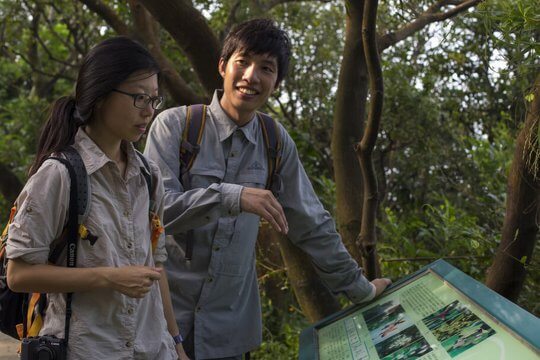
[(130, 311), (28, 209), (198, 309), (129, 344), (210, 279), (216, 248), (130, 245), (126, 213)]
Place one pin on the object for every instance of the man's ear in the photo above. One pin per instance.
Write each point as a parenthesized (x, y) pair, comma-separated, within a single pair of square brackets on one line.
[(221, 67)]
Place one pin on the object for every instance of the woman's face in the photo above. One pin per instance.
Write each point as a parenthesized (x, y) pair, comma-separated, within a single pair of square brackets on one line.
[(117, 118)]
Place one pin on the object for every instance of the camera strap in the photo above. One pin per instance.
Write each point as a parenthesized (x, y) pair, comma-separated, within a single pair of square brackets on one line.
[(73, 219)]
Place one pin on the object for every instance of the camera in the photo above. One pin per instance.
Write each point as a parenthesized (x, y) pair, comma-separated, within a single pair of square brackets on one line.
[(43, 348)]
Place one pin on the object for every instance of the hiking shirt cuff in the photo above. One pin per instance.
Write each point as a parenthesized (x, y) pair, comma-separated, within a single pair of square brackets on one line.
[(358, 295), (231, 198)]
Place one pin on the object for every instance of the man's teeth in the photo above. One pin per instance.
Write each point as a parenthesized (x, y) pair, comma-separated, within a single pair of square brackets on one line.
[(247, 91)]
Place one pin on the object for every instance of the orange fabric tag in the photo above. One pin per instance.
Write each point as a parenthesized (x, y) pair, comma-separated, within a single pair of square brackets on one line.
[(157, 229)]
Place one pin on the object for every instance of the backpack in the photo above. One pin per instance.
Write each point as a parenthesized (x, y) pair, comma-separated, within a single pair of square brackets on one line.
[(190, 145), (21, 314)]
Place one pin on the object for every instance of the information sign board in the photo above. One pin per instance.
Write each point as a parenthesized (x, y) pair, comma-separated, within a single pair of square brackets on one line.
[(436, 313)]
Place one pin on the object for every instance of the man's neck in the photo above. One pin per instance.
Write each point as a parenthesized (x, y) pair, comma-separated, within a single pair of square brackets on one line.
[(239, 118)]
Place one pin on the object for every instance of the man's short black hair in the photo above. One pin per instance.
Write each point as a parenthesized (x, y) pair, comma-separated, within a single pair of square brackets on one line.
[(259, 36)]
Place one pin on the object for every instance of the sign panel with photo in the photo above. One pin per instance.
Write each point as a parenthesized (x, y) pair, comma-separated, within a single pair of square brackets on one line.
[(437, 313)]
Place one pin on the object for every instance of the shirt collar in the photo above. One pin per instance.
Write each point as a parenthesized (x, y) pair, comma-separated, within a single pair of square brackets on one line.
[(225, 126), (94, 158)]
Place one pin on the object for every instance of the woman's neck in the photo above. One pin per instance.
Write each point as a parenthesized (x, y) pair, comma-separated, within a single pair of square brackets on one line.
[(110, 147)]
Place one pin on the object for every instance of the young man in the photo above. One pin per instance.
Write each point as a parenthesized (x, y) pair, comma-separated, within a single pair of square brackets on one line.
[(215, 294)]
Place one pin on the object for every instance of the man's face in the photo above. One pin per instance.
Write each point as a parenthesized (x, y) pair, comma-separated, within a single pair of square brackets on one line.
[(248, 81)]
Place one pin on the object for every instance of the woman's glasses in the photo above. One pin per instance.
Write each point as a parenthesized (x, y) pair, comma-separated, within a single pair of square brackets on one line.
[(141, 101)]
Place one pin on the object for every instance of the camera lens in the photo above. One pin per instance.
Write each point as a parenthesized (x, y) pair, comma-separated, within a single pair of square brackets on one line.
[(45, 353)]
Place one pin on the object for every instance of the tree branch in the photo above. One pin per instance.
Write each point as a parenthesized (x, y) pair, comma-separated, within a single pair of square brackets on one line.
[(147, 32), (231, 20), (107, 14), (364, 150), (40, 71), (290, 116), (192, 33), (429, 16), (268, 5)]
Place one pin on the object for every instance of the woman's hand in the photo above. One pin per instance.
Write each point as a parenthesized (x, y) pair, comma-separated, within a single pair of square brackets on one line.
[(132, 281), (181, 353)]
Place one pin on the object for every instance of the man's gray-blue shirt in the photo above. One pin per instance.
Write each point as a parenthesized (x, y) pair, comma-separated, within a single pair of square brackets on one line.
[(216, 293)]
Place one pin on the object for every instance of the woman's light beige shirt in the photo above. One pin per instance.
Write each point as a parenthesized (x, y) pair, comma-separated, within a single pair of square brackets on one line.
[(105, 324)]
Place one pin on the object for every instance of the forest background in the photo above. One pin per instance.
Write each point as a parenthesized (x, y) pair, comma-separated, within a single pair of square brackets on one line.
[(458, 129)]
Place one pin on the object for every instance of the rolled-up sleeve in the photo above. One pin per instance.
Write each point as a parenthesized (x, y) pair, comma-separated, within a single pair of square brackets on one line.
[(184, 210), (41, 214), (313, 230)]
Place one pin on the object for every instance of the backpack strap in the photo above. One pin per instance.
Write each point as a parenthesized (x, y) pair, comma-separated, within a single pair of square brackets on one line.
[(191, 140), (189, 149), (272, 140), (156, 227), (145, 170), (79, 177)]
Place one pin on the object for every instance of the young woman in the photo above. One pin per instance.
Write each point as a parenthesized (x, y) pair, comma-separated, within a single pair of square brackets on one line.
[(121, 304)]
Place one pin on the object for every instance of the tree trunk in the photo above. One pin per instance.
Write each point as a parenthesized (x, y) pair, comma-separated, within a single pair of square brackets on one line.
[(507, 273), (269, 266), (147, 31), (10, 185), (348, 126), (316, 301)]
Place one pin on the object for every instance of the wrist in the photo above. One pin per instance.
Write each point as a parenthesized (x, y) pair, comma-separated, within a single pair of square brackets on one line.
[(178, 339), (105, 277)]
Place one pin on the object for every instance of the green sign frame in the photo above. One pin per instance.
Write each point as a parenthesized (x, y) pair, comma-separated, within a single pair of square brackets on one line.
[(436, 313)]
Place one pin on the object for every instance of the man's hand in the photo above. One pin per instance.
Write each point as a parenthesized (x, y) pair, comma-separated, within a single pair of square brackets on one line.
[(380, 285), (263, 203)]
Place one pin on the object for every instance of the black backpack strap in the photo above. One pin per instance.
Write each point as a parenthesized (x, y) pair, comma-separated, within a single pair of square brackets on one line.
[(79, 177), (189, 149), (272, 140), (147, 173), (79, 171)]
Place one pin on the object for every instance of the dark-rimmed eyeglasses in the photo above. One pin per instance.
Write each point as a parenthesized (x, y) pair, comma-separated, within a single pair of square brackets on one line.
[(141, 101)]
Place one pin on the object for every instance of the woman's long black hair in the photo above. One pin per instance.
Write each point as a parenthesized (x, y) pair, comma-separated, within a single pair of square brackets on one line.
[(107, 65)]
